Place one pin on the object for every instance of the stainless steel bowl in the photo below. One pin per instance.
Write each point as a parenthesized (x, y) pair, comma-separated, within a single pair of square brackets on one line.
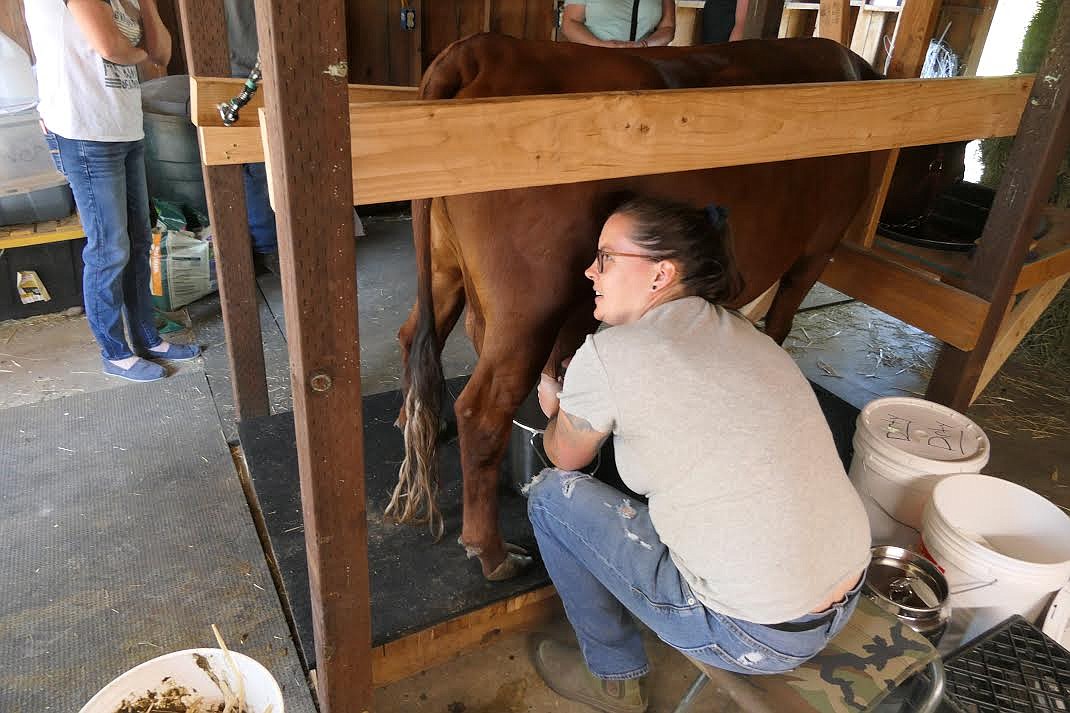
[(911, 587)]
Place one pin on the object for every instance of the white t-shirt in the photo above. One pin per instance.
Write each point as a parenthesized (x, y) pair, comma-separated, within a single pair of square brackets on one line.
[(83, 95), (716, 425)]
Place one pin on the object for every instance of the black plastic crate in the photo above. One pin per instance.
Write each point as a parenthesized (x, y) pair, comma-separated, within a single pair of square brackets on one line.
[(59, 265), (1012, 668)]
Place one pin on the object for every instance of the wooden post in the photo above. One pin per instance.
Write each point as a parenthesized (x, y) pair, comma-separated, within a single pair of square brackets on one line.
[(910, 44), (205, 30), (834, 21), (916, 22), (1039, 148), (763, 19), (306, 109)]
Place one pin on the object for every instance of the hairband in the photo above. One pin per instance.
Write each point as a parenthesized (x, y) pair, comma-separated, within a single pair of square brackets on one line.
[(716, 216)]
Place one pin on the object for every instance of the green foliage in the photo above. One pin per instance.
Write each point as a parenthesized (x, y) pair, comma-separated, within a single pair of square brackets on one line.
[(994, 152)]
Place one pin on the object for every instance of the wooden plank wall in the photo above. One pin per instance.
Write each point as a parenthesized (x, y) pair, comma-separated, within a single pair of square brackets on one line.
[(380, 51), (445, 21)]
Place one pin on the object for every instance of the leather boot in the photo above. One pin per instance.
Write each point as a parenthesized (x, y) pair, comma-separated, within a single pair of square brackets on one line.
[(563, 669)]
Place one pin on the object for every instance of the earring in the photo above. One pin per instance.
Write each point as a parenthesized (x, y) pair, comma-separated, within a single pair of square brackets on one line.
[(653, 287)]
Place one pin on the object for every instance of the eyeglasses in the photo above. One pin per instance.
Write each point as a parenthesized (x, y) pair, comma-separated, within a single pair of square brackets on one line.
[(602, 254)]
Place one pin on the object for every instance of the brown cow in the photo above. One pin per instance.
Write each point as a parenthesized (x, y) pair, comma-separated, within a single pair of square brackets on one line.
[(516, 257)]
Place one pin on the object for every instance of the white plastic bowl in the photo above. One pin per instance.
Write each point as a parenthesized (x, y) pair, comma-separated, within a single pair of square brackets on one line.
[(180, 668)]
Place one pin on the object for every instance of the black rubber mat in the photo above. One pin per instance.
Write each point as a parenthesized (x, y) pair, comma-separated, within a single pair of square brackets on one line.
[(125, 535), (415, 582)]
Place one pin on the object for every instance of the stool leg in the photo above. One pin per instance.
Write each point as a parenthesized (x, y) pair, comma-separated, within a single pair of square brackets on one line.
[(692, 693), (935, 673)]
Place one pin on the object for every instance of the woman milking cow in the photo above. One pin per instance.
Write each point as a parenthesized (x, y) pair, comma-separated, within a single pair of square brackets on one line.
[(751, 551)]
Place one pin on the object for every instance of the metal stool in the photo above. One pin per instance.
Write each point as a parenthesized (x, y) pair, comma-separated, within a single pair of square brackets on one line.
[(872, 656)]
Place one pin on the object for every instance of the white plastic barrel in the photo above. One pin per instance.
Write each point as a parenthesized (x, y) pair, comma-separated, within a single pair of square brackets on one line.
[(18, 88), (1003, 548), (903, 447)]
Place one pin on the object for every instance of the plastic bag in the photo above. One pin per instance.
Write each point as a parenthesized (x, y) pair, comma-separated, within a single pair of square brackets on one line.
[(183, 268)]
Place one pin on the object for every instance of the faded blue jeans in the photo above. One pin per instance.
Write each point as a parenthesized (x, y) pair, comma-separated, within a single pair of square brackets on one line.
[(608, 564), (258, 210), (108, 182)]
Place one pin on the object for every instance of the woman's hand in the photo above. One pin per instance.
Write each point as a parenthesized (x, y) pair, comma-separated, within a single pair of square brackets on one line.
[(549, 388)]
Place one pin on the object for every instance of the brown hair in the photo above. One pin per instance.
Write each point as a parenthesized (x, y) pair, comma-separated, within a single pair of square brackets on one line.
[(697, 240)]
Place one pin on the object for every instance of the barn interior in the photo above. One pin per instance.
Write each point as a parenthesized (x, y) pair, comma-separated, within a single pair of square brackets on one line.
[(139, 515)]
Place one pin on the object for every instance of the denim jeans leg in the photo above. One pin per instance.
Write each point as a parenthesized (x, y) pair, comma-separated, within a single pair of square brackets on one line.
[(97, 174), (258, 210), (137, 296), (577, 524), (604, 555)]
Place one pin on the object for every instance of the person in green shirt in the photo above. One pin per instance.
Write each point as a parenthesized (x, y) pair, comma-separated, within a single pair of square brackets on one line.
[(620, 23)]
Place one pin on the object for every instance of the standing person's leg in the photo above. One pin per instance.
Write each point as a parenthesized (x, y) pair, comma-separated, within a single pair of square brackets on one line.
[(97, 174), (718, 19), (137, 295), (261, 217)]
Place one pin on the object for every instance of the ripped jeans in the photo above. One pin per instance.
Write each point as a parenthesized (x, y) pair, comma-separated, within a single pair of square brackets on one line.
[(608, 564)]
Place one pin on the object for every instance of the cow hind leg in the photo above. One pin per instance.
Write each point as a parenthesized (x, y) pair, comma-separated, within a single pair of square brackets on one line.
[(794, 286), (485, 408)]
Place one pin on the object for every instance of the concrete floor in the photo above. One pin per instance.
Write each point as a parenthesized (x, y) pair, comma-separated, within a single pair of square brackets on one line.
[(848, 348)]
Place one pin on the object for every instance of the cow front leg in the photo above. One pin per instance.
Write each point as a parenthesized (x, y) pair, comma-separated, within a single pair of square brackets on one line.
[(796, 282), (484, 412)]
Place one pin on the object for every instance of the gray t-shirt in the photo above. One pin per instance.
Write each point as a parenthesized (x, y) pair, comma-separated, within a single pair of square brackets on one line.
[(716, 425), (612, 19)]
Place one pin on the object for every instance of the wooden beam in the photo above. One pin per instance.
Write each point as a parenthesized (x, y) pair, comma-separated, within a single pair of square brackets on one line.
[(763, 19), (207, 93), (304, 57), (979, 34), (834, 21), (48, 231), (910, 44), (440, 643), (792, 23), (1014, 328), (204, 27), (1038, 150), (947, 313), (451, 143), (1052, 253), (423, 149)]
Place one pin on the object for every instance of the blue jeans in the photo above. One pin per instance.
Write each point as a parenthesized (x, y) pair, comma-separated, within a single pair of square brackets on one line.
[(258, 209), (609, 564), (108, 182)]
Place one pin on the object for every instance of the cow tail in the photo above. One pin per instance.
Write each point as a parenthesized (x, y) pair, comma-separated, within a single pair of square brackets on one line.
[(414, 498)]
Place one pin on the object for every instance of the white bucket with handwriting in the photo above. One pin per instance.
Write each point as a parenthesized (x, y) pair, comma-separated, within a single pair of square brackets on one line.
[(1003, 549), (903, 448)]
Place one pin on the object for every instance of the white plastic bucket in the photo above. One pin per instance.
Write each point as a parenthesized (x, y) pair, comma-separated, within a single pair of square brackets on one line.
[(167, 674), (1003, 549), (903, 447)]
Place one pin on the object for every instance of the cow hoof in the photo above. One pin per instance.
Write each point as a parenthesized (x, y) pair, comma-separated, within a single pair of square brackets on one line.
[(514, 564)]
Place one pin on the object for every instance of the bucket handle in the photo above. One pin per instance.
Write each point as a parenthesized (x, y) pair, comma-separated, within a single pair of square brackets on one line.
[(974, 587), (546, 464)]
